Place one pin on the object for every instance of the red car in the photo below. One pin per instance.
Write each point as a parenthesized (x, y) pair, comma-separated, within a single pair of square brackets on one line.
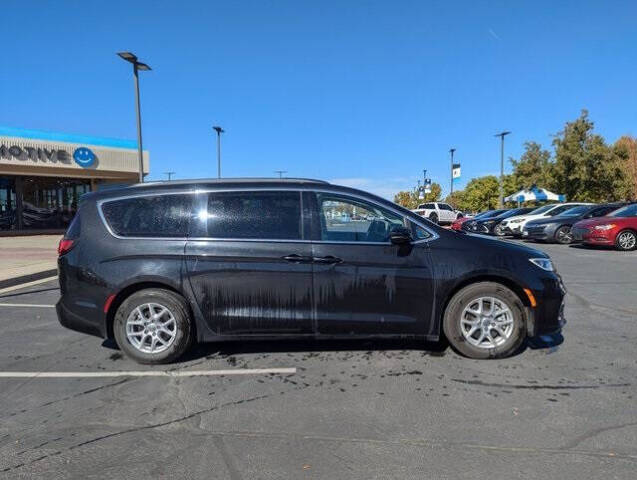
[(457, 224), (618, 229)]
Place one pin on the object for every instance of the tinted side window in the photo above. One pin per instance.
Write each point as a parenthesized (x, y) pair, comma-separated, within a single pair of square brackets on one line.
[(153, 216), (345, 219), (444, 206), (255, 215)]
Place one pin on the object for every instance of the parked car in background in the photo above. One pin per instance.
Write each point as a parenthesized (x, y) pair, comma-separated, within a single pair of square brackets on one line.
[(472, 224), (618, 229), (457, 224), (558, 229), (438, 212), (491, 225), (514, 225), (160, 265)]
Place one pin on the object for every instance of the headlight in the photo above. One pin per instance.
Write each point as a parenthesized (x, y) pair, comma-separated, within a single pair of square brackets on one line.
[(543, 263), (604, 227), (489, 222), (519, 220)]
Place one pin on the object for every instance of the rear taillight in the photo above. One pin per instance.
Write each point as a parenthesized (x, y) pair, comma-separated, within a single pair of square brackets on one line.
[(65, 246)]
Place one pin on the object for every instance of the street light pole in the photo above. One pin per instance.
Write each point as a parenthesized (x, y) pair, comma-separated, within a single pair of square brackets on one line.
[(502, 135), (451, 152), (219, 131), (131, 58)]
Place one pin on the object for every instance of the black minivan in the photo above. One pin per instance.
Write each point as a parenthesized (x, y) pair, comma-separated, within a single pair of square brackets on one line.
[(157, 266)]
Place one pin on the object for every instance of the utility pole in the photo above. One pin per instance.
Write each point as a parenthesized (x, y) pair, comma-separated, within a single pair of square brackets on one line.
[(170, 175), (219, 131), (280, 172), (502, 135), (451, 152)]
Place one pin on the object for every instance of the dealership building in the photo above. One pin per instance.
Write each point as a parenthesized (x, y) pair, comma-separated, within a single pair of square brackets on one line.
[(43, 175)]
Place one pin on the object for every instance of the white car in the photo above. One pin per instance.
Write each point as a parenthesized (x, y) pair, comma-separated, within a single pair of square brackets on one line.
[(438, 212), (515, 225)]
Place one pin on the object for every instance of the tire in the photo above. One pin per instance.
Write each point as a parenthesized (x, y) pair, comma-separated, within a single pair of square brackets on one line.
[(458, 317), (433, 217), (563, 235), (459, 216), (177, 333), (498, 232), (626, 240)]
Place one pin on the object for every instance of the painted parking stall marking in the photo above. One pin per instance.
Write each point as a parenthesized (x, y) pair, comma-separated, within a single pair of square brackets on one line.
[(25, 305), (151, 373)]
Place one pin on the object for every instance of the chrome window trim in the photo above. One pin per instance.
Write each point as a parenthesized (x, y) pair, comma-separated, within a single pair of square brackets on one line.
[(191, 191)]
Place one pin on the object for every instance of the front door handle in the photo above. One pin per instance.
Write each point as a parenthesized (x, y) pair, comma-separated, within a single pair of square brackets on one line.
[(295, 258), (328, 260)]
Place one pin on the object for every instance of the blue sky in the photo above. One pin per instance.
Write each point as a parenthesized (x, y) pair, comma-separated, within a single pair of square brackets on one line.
[(366, 93)]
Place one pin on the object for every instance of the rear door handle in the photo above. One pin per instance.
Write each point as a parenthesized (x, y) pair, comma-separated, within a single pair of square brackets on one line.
[(295, 258), (328, 260)]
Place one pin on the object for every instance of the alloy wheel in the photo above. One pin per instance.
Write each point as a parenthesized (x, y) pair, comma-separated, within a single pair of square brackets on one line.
[(151, 328), (486, 322), (564, 235), (626, 240)]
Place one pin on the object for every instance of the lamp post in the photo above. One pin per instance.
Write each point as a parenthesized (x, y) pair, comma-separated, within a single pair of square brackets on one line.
[(219, 131), (502, 135), (280, 172), (451, 150), (137, 65), (170, 175)]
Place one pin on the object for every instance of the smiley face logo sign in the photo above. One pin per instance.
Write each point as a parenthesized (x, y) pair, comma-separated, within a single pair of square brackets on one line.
[(84, 157)]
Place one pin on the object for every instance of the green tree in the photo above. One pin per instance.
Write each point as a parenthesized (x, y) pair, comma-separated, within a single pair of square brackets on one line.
[(586, 169), (626, 150), (411, 200), (533, 168), (481, 193)]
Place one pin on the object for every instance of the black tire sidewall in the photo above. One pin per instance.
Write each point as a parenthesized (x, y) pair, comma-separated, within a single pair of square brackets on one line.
[(451, 320), (178, 307), (433, 217)]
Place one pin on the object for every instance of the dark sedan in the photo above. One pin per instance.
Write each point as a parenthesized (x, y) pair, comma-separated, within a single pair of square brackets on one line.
[(472, 225), (558, 229)]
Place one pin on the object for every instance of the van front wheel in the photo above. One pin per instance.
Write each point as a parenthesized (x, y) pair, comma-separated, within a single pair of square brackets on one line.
[(153, 326), (485, 320)]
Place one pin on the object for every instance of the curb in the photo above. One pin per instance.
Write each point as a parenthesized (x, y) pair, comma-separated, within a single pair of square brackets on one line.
[(11, 282)]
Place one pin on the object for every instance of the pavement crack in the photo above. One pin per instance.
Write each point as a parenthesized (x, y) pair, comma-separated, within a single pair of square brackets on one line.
[(577, 441), (539, 387)]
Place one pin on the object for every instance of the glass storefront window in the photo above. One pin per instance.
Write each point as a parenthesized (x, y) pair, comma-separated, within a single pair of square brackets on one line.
[(47, 202), (8, 206)]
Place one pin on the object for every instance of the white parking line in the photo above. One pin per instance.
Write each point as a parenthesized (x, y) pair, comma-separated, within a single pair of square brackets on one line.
[(28, 284), (25, 305), (151, 373)]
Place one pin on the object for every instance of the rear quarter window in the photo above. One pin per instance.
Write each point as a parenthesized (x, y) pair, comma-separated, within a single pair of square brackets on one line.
[(159, 216)]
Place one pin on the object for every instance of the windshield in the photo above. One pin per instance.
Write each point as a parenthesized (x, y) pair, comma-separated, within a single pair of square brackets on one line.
[(484, 214), (541, 209), (627, 211), (575, 211)]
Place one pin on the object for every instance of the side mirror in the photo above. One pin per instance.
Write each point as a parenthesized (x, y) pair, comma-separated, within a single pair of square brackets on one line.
[(400, 236)]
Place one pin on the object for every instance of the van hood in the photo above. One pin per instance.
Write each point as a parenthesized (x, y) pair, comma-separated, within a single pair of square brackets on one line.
[(509, 246)]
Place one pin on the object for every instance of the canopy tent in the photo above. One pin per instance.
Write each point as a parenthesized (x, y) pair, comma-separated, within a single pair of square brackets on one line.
[(534, 194)]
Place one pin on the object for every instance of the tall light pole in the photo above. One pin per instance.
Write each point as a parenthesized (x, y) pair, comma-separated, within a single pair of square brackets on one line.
[(219, 131), (502, 135), (280, 172), (137, 65), (451, 150), (170, 175)]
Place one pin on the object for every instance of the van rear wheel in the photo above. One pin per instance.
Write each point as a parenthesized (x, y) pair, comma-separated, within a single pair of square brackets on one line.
[(485, 320), (153, 326)]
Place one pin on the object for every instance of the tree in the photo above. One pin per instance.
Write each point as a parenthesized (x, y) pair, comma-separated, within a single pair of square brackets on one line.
[(481, 193), (411, 199), (586, 169), (533, 168), (626, 149)]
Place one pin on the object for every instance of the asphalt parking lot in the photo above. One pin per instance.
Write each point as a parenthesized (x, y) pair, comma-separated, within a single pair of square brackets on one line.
[(355, 410)]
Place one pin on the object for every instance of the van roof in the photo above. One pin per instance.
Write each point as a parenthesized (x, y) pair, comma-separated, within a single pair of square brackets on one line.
[(229, 181)]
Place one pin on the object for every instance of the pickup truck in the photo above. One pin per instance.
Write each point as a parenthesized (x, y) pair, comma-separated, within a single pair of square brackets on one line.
[(438, 212)]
